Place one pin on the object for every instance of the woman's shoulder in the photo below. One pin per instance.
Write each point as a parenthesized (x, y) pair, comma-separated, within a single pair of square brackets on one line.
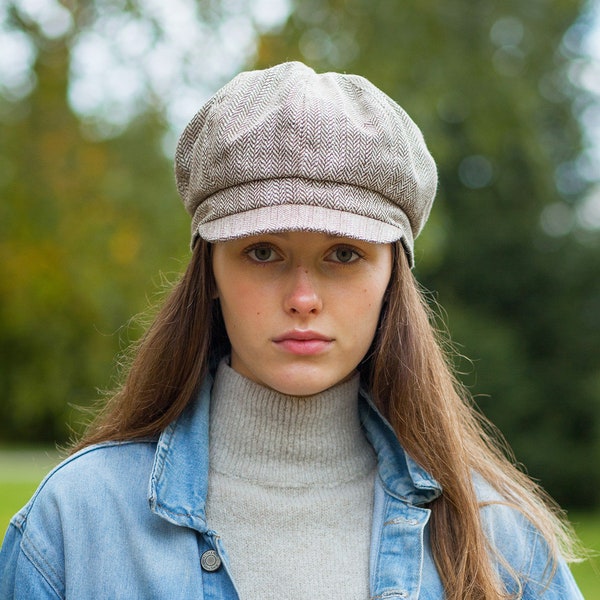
[(91, 495), (526, 560), (92, 475), (508, 527)]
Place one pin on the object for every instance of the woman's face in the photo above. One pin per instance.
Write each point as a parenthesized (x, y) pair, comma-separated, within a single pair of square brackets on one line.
[(300, 308)]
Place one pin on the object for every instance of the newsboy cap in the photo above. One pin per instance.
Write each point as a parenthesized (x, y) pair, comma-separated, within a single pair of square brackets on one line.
[(286, 148)]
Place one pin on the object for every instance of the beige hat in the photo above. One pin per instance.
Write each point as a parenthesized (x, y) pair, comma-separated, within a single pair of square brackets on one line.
[(286, 148)]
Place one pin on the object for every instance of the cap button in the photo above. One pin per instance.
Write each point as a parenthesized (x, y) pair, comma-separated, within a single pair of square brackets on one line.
[(210, 561)]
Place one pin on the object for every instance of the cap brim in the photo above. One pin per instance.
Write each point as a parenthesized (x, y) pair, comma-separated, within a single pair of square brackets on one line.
[(295, 217), (294, 204)]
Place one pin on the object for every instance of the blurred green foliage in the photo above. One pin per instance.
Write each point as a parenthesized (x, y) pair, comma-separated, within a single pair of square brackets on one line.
[(86, 225)]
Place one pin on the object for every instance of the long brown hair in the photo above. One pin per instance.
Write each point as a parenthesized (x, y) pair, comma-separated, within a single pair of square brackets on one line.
[(412, 383)]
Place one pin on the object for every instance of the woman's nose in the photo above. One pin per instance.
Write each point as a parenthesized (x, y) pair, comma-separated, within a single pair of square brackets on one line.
[(303, 297)]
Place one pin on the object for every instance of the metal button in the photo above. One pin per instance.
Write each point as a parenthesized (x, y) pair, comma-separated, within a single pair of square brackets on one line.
[(210, 561)]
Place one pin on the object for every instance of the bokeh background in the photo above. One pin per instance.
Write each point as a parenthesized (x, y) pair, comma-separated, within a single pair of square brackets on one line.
[(93, 94)]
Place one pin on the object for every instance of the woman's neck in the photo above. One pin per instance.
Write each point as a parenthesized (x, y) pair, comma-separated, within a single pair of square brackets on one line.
[(261, 435)]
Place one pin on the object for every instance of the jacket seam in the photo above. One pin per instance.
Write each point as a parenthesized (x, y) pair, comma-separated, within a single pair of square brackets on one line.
[(36, 559)]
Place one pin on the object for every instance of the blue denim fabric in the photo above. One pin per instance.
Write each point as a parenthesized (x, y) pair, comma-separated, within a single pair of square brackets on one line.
[(127, 521)]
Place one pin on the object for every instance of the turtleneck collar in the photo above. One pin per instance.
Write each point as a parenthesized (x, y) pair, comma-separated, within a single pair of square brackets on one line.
[(260, 435)]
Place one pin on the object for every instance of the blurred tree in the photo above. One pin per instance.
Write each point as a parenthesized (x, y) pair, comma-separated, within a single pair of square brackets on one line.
[(491, 85), (84, 227)]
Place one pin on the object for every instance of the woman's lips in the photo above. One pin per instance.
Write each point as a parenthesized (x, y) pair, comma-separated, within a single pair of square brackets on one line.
[(304, 343)]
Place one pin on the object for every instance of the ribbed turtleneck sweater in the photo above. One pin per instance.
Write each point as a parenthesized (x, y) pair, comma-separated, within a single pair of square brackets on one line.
[(290, 489)]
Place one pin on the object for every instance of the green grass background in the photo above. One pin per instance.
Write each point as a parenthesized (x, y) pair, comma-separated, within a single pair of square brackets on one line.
[(22, 470)]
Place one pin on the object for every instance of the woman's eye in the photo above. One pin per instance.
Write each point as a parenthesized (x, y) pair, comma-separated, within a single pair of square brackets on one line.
[(344, 255), (262, 254)]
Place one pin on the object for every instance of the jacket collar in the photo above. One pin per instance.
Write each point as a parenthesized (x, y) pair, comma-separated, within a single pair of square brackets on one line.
[(402, 477), (179, 479)]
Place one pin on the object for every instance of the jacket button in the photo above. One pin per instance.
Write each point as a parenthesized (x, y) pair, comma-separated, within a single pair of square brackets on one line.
[(210, 561)]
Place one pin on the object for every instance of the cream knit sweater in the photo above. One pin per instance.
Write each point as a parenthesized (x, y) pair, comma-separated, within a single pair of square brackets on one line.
[(291, 490)]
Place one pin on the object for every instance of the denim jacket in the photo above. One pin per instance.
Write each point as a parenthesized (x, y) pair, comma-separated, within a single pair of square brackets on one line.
[(127, 521)]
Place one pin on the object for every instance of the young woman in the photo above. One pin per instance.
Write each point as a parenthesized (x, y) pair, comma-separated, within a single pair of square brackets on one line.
[(289, 426)]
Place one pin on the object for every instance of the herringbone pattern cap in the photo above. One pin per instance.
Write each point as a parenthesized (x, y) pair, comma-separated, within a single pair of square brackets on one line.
[(289, 149)]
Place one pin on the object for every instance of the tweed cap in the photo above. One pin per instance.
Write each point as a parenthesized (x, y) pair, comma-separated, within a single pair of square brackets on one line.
[(286, 148)]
